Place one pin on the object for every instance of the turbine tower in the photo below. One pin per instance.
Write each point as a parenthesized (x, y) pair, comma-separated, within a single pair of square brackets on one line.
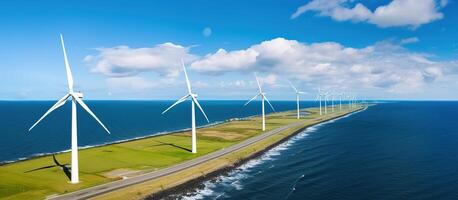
[(326, 96), (297, 98), (332, 100), (194, 102), (340, 100), (76, 98), (263, 97), (319, 98)]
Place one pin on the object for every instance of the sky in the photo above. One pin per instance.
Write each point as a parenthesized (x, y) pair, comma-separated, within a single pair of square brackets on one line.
[(132, 50)]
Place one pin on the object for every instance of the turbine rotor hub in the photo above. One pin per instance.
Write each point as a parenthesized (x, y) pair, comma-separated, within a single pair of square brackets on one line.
[(78, 94)]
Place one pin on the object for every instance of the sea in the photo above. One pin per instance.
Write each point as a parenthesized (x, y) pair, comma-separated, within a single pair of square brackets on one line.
[(391, 150)]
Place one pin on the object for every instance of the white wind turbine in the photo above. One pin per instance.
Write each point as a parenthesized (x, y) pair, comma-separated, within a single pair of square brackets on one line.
[(332, 100), (349, 100), (193, 109), (76, 98), (340, 100), (326, 96), (263, 97), (319, 97), (297, 99)]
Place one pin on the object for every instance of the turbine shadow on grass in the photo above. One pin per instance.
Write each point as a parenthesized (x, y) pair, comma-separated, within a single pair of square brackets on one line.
[(64, 167), (172, 145)]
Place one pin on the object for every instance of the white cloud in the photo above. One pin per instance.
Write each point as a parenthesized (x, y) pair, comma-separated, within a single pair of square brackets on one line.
[(207, 32), (234, 60), (123, 61), (406, 13), (383, 65), (269, 80), (397, 13), (409, 40)]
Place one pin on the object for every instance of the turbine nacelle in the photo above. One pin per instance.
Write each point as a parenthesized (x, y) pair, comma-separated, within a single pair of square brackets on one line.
[(77, 95), (190, 94)]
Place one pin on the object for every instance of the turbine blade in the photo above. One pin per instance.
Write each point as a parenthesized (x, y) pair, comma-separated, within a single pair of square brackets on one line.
[(295, 89), (67, 66), (186, 76), (269, 103), (54, 107), (176, 103), (251, 99), (82, 104), (259, 85), (198, 105)]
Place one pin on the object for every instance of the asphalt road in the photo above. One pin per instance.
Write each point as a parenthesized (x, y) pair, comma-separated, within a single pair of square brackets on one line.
[(108, 187)]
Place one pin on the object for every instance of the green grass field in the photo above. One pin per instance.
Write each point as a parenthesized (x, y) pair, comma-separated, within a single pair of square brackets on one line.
[(40, 177)]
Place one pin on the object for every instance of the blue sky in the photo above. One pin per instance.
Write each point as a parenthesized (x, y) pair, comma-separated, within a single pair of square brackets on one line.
[(389, 49)]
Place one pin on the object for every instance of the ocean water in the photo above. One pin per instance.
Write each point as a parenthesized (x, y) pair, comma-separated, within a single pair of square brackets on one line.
[(397, 150), (125, 119)]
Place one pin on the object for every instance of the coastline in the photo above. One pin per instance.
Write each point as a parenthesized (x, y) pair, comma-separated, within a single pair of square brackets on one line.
[(194, 182)]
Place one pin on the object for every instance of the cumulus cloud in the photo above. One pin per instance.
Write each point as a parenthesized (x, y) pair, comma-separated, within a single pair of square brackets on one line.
[(397, 13), (234, 60), (382, 65), (124, 61)]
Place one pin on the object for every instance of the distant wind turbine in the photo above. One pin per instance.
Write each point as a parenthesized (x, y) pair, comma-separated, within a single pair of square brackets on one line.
[(332, 100), (297, 98), (340, 100), (193, 109), (326, 98), (76, 98), (320, 97), (263, 97)]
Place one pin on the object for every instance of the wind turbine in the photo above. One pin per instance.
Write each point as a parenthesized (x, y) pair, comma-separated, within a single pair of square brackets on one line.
[(263, 97), (332, 100), (194, 102), (75, 98), (319, 98), (340, 100), (297, 98), (326, 94)]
